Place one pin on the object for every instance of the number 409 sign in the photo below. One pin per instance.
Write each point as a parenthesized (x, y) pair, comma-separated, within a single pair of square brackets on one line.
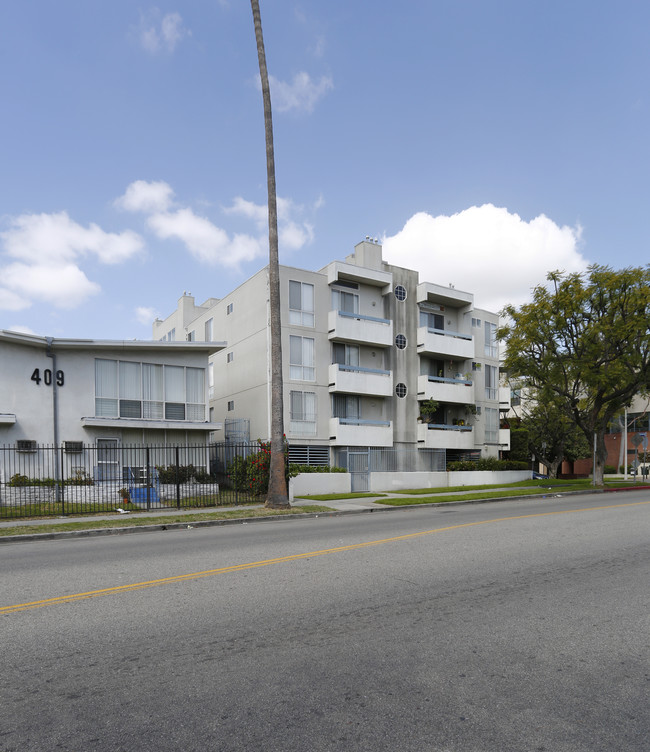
[(47, 377)]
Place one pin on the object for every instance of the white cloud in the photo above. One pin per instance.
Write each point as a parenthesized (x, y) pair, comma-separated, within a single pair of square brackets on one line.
[(291, 235), (146, 315), (301, 94), (21, 329), (55, 238), (257, 212), (48, 249), (11, 300), (204, 240), (62, 285), (164, 33), (486, 250), (141, 196)]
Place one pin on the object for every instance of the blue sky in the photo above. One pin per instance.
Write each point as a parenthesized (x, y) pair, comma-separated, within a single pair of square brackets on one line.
[(484, 143)]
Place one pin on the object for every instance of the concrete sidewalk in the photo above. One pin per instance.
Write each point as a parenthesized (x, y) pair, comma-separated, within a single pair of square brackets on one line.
[(358, 505)]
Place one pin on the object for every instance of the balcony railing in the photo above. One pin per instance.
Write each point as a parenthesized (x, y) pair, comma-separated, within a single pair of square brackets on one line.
[(360, 328), (360, 432), (445, 342), (443, 436), (443, 389), (360, 380)]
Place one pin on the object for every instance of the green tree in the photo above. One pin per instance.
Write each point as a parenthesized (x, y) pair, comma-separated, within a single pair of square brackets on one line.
[(277, 497), (585, 339), (552, 434)]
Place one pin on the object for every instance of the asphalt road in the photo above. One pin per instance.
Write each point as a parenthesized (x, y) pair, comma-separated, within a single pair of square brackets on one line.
[(518, 626)]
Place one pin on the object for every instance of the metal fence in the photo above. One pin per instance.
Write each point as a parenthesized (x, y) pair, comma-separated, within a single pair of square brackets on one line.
[(81, 479)]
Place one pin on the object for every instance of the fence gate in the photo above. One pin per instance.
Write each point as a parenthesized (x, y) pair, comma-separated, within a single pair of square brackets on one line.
[(359, 468)]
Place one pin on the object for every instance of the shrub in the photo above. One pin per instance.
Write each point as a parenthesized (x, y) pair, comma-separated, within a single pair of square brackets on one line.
[(251, 474), (298, 469), (173, 474), (487, 463), (19, 480)]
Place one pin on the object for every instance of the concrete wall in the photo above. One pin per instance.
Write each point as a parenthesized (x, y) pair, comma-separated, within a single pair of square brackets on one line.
[(399, 481), (308, 484)]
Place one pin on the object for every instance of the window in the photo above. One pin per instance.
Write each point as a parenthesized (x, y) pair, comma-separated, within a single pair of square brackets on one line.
[(126, 389), (229, 357), (345, 355), (400, 292), (476, 322), (231, 405), (348, 302), (108, 460), (301, 358), (491, 425), (400, 341), (432, 320), (25, 445), (476, 366), (491, 340), (105, 388), (171, 336), (401, 390), (208, 330), (301, 303), (191, 336), (195, 393), (303, 413), (210, 380), (152, 391), (491, 382), (346, 406), (229, 309)]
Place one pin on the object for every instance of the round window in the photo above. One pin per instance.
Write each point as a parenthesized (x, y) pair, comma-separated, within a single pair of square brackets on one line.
[(400, 341), (400, 390), (400, 292)]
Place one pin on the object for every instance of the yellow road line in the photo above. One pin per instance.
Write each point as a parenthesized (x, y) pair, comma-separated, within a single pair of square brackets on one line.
[(282, 559)]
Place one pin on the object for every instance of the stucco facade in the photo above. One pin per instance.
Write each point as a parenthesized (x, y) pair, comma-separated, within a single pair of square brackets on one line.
[(50, 394), (364, 343)]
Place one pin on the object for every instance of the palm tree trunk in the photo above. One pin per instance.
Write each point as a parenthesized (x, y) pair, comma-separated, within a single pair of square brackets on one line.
[(277, 497)]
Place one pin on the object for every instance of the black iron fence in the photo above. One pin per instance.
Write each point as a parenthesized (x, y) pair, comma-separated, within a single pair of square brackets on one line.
[(75, 478)]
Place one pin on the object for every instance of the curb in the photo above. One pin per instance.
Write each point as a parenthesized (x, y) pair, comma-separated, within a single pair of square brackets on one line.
[(177, 526)]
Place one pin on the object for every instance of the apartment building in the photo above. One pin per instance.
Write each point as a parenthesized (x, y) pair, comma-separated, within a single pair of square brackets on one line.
[(364, 344)]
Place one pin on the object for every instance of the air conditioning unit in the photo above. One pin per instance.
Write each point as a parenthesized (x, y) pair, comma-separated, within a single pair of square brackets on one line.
[(73, 447), (25, 445)]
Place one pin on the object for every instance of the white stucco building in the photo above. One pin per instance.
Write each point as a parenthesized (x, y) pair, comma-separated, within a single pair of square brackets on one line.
[(66, 391), (364, 343)]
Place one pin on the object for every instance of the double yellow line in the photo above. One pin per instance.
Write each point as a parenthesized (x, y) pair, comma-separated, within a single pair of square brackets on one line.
[(281, 560)]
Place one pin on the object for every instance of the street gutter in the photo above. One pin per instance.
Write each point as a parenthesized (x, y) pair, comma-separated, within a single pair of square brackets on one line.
[(190, 525)]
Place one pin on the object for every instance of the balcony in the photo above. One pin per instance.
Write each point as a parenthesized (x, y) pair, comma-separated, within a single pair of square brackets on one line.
[(458, 391), (504, 439), (361, 329), (357, 380), (358, 432), (504, 398), (447, 343), (440, 436)]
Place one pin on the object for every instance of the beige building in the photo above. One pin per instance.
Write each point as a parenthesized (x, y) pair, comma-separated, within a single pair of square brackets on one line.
[(364, 343)]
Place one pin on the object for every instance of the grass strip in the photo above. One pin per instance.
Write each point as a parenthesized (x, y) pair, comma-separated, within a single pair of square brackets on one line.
[(139, 521), (339, 496), (441, 499)]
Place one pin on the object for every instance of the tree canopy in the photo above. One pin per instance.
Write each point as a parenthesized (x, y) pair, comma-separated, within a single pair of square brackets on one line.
[(585, 340)]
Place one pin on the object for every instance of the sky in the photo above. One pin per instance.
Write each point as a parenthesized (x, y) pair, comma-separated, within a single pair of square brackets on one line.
[(482, 142)]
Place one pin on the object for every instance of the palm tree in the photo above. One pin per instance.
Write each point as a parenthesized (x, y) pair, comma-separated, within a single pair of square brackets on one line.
[(277, 497)]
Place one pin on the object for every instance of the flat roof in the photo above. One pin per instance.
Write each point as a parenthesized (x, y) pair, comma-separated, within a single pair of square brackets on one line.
[(33, 340)]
